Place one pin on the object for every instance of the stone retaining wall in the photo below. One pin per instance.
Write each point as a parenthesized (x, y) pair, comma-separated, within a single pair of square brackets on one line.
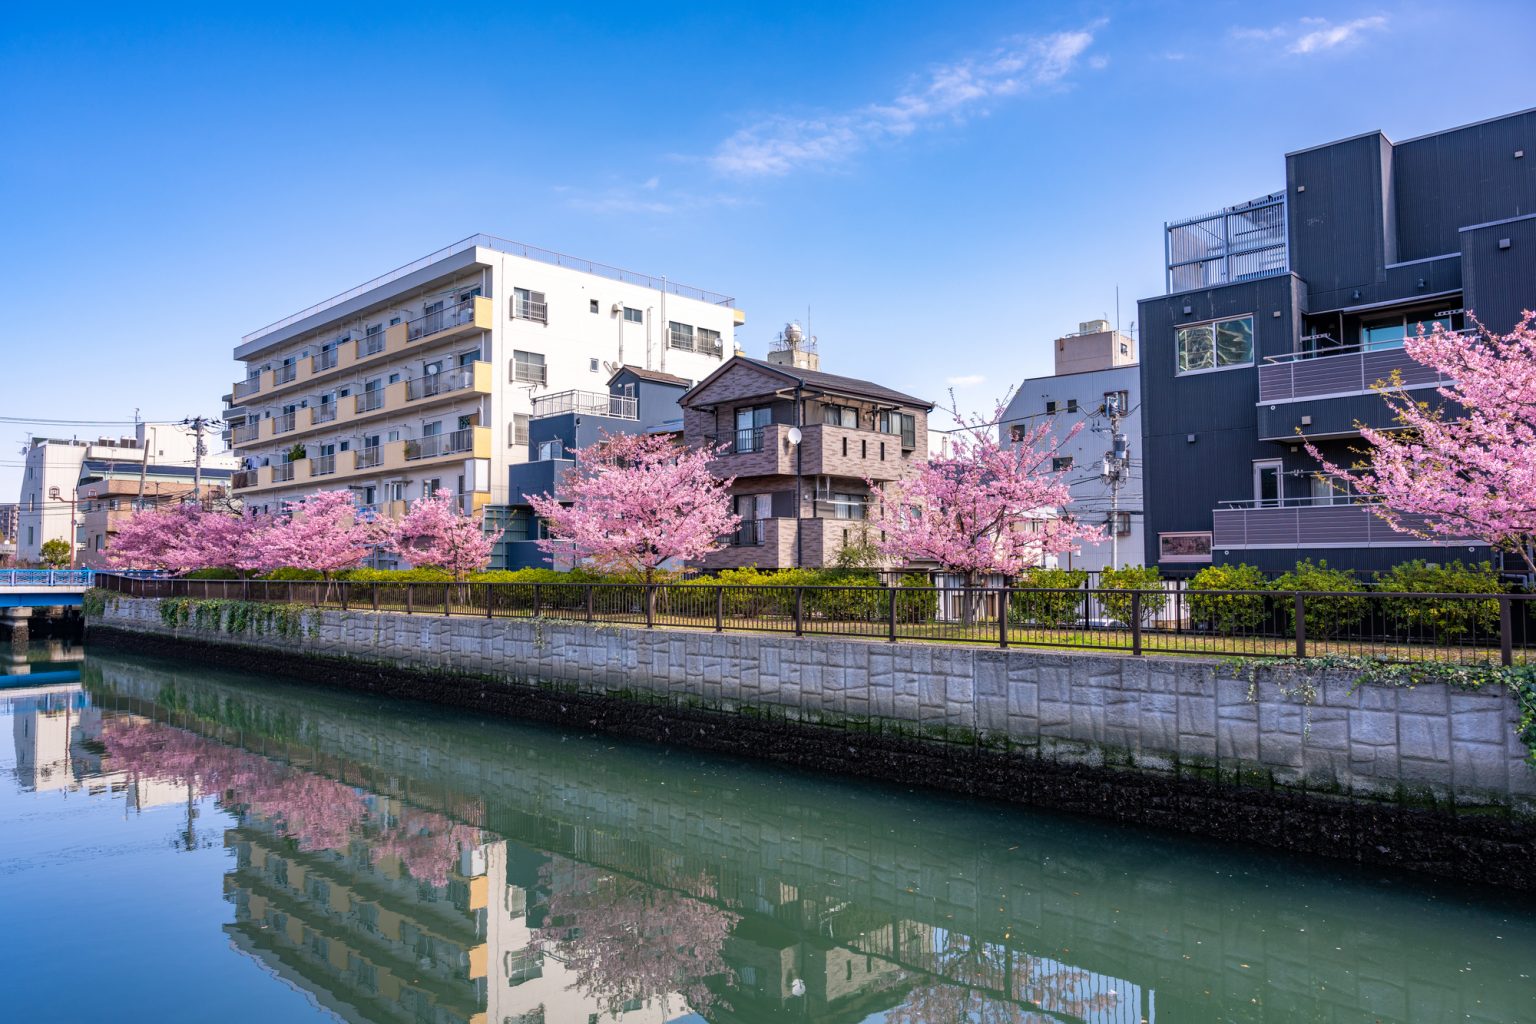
[(1430, 746)]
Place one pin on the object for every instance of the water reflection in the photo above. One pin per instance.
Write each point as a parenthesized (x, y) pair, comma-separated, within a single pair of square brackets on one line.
[(395, 863)]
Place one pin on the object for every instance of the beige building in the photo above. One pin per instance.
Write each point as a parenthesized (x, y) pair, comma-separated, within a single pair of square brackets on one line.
[(426, 377), (802, 445)]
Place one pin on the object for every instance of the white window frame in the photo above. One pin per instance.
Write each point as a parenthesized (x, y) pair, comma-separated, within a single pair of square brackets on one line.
[(519, 372), (1260, 466)]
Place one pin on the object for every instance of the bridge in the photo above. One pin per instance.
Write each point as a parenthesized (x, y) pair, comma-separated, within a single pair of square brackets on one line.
[(44, 588)]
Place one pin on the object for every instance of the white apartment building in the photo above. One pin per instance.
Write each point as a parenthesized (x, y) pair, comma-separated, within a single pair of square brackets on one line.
[(1096, 367), (426, 377), (49, 506)]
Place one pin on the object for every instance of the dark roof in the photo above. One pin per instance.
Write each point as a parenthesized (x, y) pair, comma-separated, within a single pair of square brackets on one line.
[(833, 382), (652, 375), (114, 467)]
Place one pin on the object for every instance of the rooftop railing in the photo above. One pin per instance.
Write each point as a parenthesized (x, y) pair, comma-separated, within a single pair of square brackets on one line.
[(499, 245), (586, 403)]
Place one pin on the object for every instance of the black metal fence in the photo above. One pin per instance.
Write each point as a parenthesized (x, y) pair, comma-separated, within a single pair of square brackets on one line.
[(1465, 628)]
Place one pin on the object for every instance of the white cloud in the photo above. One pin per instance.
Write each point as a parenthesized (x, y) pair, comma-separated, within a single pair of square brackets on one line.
[(968, 380), (1314, 35), (779, 144)]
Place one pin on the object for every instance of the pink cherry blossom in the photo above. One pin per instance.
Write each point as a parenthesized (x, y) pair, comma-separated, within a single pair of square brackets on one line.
[(634, 502), (323, 531), (436, 532), (1467, 468)]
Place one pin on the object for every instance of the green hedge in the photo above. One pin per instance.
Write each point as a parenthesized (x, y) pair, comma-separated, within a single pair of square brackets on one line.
[(1443, 619), (1056, 610), (1131, 577), (1228, 613), (1324, 616)]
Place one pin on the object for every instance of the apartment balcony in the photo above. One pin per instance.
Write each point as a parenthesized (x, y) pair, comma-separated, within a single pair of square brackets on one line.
[(827, 450), (450, 386), (243, 478), (1308, 523), (586, 403), (1328, 393), (755, 451), (749, 534), (245, 432), (390, 458), (439, 327)]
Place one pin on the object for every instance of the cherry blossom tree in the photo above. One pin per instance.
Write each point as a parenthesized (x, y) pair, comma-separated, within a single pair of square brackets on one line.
[(323, 531), (437, 532), (636, 503), (981, 508), (1467, 468), (186, 537)]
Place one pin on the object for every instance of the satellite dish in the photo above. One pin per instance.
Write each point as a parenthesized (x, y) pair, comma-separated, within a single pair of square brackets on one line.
[(794, 435)]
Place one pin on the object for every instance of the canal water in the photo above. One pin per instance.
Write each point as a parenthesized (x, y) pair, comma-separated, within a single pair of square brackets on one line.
[(179, 844)]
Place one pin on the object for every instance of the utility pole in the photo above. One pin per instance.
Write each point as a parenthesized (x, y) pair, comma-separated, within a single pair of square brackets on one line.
[(198, 424), (1115, 472)]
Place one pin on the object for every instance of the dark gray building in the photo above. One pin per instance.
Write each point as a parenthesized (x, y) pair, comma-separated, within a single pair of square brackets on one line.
[(1283, 312), (638, 401)]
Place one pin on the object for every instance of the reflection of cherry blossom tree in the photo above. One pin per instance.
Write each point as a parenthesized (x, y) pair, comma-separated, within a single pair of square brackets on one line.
[(984, 983), (317, 812), (625, 939)]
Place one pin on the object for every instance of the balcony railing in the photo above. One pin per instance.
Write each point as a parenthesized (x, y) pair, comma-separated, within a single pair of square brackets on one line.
[(749, 534), (370, 400), (322, 465), (246, 432), (283, 424), (695, 342), (438, 384), (282, 472), (530, 309), (322, 360), (247, 387), (323, 413), (435, 445), (1340, 522), (285, 373), (440, 320), (586, 403), (370, 344), (1342, 371), (243, 478), (369, 456), (530, 373), (747, 440)]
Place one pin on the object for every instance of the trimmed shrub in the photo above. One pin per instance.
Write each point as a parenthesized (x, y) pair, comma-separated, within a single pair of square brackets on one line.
[(1324, 616), (916, 600), (1131, 577), (1228, 613), (1443, 619), (1056, 610), (425, 575), (291, 573), (214, 574)]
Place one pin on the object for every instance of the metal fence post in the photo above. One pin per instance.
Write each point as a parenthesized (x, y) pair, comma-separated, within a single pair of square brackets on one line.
[(538, 600), (799, 611), (894, 591), (1136, 622), (1301, 626), (490, 600), (719, 609), (410, 597), (589, 602), (373, 588), (343, 595), (1506, 630), (447, 595), (650, 606), (1002, 618)]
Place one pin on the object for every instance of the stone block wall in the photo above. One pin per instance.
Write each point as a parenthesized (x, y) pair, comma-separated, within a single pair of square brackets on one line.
[(1431, 744)]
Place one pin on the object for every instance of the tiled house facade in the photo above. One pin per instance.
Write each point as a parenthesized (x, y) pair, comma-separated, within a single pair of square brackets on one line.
[(801, 503)]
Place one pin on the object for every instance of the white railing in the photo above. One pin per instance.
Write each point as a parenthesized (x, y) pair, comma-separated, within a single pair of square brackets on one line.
[(322, 465), (285, 373), (283, 424), (322, 360), (586, 403), (434, 445), (369, 456), (370, 400), (247, 387)]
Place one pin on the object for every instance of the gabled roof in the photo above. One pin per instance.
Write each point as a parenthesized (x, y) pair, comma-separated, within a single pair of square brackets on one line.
[(817, 381), (655, 376)]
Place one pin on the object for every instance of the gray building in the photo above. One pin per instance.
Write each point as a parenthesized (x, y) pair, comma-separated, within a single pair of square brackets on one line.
[(1283, 312), (1097, 384), (638, 401)]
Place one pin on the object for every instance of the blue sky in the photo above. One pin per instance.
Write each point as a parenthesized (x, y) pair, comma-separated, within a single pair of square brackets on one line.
[(946, 186)]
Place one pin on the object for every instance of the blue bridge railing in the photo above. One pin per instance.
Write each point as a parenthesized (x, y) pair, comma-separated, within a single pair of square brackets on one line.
[(47, 577)]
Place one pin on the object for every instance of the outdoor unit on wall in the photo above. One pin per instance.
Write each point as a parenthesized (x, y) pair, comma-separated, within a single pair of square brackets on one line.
[(618, 307)]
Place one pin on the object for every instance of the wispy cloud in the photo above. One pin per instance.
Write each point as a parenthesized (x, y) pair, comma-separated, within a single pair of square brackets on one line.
[(968, 380), (647, 197), (777, 145), (1314, 35)]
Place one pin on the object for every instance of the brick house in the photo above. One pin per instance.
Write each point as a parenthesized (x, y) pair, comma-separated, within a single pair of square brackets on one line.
[(800, 503)]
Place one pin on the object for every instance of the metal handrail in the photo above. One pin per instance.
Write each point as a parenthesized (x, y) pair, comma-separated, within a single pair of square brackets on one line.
[(282, 472), (283, 423), (370, 344), (1355, 349), (246, 432), (427, 324), (285, 373), (370, 400), (586, 403), (322, 465), (368, 456), (322, 360), (438, 384), (434, 445), (322, 413), (247, 387)]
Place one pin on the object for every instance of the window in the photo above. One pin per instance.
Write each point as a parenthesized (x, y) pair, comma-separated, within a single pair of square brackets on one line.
[(840, 416), (1125, 349), (1389, 332), (1215, 345), (708, 340), (1117, 403), (529, 305), (551, 450), (592, 306), (901, 423), (680, 335), (749, 428), (517, 430), (1071, 405), (1061, 464), (592, 365), (529, 368), (1120, 523), (1268, 489), (1050, 408), (1184, 547), (633, 316), (847, 505)]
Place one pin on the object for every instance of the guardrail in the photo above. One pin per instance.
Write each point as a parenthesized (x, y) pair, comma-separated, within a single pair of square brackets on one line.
[(46, 577), (1391, 626)]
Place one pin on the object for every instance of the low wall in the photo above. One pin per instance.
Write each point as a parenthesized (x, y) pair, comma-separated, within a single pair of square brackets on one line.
[(1114, 735)]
